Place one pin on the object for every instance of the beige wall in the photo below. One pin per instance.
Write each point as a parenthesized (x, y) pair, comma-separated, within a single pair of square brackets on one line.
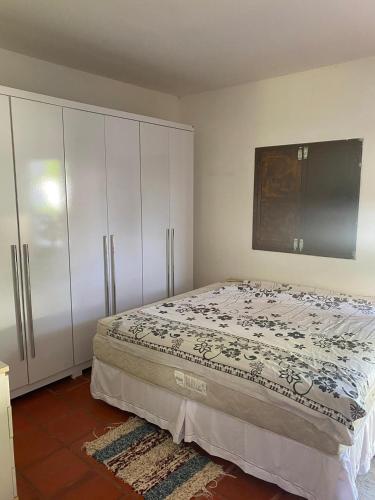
[(335, 102), (34, 75)]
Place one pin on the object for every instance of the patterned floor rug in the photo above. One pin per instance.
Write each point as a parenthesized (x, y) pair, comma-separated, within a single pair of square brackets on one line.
[(145, 457)]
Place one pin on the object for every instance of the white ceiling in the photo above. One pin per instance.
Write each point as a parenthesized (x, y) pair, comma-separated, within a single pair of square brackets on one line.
[(185, 46)]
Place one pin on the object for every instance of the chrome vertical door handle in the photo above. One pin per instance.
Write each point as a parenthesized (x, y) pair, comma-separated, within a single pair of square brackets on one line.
[(168, 263), (113, 274), (106, 280), (17, 301), (172, 261), (29, 309)]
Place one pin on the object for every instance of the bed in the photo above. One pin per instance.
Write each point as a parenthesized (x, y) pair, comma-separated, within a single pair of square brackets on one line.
[(284, 375)]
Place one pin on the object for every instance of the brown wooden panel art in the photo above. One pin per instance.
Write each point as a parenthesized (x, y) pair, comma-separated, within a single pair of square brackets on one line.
[(306, 198), (277, 198)]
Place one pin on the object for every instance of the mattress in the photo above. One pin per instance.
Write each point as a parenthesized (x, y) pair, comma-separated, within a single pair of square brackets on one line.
[(294, 360)]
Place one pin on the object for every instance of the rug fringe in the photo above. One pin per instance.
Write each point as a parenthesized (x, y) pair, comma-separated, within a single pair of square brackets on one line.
[(100, 442), (206, 493), (114, 425), (228, 475)]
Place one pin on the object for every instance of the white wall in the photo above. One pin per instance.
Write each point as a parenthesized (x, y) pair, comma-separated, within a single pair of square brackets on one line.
[(335, 102), (27, 73)]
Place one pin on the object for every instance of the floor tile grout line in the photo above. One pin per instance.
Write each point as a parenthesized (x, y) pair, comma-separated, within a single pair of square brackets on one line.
[(37, 423), (28, 482), (62, 491), (42, 427), (89, 411), (98, 468), (63, 445), (65, 489)]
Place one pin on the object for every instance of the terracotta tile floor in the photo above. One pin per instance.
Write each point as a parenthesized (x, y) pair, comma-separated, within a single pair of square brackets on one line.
[(50, 426)]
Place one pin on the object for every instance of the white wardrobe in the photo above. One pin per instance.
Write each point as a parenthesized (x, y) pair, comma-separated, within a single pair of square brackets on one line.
[(167, 208), (96, 217)]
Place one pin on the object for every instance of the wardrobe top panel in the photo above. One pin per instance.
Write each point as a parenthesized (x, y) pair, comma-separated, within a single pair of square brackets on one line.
[(23, 94)]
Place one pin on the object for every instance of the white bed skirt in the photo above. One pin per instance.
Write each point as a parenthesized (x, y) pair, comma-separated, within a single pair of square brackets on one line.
[(293, 466)]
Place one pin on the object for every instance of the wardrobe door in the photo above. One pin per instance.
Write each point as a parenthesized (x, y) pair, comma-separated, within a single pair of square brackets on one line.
[(12, 342), (39, 162), (87, 215), (181, 164), (155, 211), (124, 213)]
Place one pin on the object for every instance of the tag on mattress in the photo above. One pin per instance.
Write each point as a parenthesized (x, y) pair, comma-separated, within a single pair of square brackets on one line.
[(180, 378), (189, 382)]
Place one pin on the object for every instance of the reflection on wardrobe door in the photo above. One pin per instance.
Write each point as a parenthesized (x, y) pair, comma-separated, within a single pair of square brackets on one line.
[(87, 215), (155, 211), (12, 347), (124, 212), (181, 165), (39, 161)]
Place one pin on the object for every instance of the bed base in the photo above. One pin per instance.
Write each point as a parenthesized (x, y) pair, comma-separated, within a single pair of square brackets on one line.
[(293, 466)]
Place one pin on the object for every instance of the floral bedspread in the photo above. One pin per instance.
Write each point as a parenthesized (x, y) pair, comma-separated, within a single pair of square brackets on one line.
[(315, 348)]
